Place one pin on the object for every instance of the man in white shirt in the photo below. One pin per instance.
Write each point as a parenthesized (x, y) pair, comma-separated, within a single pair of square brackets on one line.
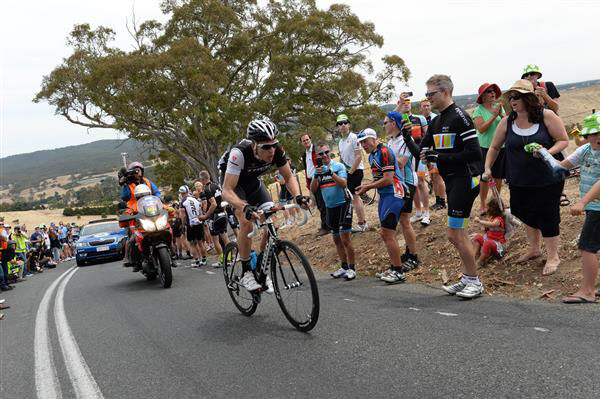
[(309, 159), (351, 157), (190, 212)]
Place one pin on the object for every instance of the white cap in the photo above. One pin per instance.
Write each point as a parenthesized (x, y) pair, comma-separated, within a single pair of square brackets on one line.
[(367, 133)]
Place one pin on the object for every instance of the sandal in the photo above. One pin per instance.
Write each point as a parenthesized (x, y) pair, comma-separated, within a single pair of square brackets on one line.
[(564, 200)]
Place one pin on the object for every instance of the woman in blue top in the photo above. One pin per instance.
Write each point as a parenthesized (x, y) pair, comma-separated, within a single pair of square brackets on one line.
[(534, 189)]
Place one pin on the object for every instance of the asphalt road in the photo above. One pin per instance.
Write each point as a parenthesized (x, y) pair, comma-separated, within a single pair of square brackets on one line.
[(112, 334)]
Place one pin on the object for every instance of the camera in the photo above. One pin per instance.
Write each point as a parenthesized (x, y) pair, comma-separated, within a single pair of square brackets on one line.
[(319, 162)]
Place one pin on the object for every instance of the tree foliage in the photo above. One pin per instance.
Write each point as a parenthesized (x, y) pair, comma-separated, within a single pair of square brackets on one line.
[(192, 84)]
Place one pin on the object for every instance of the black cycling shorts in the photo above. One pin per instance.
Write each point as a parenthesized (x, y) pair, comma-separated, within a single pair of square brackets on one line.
[(355, 180), (339, 218), (461, 192), (255, 194), (218, 224), (195, 233), (408, 199)]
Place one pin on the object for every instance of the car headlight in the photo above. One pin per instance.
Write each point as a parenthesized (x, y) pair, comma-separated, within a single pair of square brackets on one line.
[(80, 244), (147, 225), (161, 222)]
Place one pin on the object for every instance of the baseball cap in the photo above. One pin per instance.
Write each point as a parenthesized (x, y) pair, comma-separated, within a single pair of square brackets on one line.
[(184, 189), (342, 118), (367, 133)]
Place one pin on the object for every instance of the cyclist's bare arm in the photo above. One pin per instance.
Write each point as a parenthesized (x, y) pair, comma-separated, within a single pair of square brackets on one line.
[(229, 184)]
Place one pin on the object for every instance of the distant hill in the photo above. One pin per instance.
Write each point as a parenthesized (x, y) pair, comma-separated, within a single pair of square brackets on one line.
[(468, 100), (28, 170)]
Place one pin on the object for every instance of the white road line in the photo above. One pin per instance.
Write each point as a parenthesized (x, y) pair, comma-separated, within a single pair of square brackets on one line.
[(209, 272), (415, 309), (541, 329), (47, 385), (83, 382), (447, 314)]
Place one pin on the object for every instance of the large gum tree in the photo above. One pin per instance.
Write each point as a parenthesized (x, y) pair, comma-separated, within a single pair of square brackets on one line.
[(190, 86)]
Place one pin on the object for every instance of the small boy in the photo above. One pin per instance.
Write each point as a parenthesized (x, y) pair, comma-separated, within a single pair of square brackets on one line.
[(587, 157)]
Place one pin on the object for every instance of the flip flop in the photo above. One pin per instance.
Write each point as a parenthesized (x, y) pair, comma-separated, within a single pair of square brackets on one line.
[(2, 307), (564, 200), (577, 300)]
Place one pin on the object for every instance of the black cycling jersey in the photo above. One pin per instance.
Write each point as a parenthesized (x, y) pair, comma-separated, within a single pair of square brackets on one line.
[(452, 134), (241, 161), (213, 190)]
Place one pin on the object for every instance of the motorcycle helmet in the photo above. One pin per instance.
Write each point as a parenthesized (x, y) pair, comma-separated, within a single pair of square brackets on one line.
[(136, 165), (141, 191), (260, 130)]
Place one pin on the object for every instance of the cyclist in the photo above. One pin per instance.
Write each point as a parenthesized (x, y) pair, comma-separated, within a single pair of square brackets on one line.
[(406, 152), (387, 179), (330, 178), (242, 188), (215, 214), (451, 142), (190, 213)]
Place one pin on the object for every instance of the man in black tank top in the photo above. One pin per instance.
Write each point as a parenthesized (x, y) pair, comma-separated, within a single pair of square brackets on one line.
[(451, 142), (215, 214)]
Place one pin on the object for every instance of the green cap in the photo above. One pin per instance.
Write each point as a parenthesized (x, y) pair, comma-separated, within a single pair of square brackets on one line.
[(530, 68), (591, 125), (342, 118)]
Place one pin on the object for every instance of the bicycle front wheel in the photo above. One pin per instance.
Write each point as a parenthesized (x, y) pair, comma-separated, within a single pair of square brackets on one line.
[(232, 271), (295, 286)]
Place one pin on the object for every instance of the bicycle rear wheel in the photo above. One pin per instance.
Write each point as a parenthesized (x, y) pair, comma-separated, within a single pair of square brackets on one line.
[(232, 271), (295, 286)]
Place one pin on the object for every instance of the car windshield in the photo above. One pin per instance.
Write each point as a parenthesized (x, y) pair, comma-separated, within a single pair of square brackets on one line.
[(112, 227)]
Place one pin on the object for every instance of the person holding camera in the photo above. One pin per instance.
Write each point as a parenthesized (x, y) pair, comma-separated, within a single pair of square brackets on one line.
[(21, 247), (331, 179), (129, 180)]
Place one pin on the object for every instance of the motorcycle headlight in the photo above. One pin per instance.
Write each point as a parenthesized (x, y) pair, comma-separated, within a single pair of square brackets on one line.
[(161, 222), (147, 225)]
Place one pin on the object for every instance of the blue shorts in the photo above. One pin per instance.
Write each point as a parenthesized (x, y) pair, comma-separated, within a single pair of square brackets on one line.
[(389, 210)]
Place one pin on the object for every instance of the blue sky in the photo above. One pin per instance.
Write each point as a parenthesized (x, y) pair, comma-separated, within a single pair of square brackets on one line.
[(472, 41)]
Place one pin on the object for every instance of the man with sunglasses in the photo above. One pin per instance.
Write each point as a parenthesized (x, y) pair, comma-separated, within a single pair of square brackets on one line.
[(242, 188), (546, 91), (451, 142), (309, 159), (351, 156), (330, 179)]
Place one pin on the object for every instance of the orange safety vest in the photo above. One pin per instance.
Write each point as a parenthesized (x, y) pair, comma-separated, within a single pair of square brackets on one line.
[(132, 203)]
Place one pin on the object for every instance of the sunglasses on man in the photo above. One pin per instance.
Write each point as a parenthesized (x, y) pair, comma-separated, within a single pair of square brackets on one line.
[(342, 123), (322, 153), (268, 146)]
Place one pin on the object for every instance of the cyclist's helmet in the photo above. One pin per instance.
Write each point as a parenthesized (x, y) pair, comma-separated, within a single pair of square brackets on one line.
[(141, 191), (260, 130), (136, 165), (184, 189)]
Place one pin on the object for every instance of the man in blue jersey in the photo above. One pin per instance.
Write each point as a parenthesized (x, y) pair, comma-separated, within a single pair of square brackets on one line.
[(331, 179), (407, 154), (388, 182)]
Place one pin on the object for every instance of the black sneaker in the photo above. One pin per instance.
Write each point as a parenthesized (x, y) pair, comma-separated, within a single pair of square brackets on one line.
[(410, 264), (437, 206)]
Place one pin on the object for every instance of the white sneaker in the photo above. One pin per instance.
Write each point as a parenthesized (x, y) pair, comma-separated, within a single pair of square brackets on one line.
[(202, 263), (454, 288), (249, 282), (416, 217), (379, 275), (350, 274), (471, 290), (393, 277), (341, 272), (217, 265), (425, 221), (269, 284)]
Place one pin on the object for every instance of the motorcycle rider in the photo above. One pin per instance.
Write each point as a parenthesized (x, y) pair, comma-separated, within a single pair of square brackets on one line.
[(130, 179)]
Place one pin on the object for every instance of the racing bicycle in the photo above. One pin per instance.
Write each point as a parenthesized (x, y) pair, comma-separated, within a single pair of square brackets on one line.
[(294, 283)]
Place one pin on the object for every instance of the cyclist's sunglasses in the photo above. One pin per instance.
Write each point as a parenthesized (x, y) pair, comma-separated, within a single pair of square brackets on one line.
[(267, 147), (323, 153), (342, 123)]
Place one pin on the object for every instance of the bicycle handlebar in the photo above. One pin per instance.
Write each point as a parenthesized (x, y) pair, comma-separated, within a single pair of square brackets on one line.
[(256, 225)]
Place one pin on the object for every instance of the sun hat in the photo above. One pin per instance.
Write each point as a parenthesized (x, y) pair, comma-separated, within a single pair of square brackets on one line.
[(342, 118), (522, 86), (484, 87), (531, 68), (367, 133), (591, 125)]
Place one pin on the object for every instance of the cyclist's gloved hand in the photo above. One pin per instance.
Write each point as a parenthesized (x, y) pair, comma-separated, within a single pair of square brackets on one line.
[(302, 200), (431, 155), (406, 130), (248, 211)]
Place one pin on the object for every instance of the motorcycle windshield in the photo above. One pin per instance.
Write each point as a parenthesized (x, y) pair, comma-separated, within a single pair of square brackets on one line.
[(149, 206)]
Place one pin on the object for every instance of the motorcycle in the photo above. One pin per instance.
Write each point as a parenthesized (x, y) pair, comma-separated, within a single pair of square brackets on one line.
[(152, 237)]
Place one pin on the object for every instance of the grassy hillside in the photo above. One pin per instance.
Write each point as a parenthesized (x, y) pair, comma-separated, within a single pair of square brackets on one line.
[(28, 170)]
